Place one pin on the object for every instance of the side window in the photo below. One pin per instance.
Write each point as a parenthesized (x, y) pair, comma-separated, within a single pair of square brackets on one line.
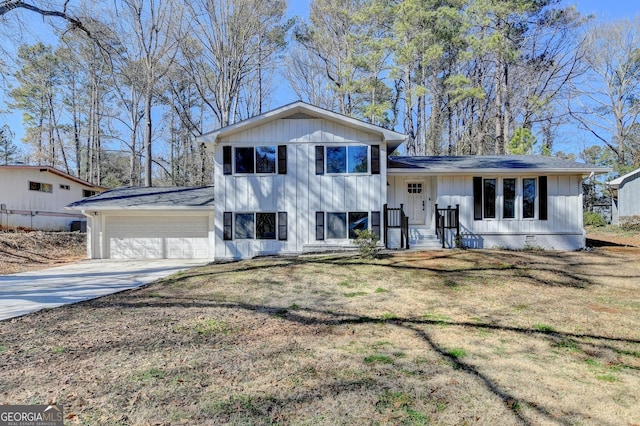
[(261, 159), (336, 159), (509, 198), (337, 225), (260, 226), (489, 198), (528, 198), (41, 187), (266, 226), (227, 227)]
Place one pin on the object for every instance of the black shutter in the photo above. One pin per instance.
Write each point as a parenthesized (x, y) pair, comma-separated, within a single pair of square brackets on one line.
[(282, 226), (319, 160), (226, 160), (227, 226), (282, 161), (375, 159), (319, 226), (477, 198), (542, 198), (375, 223)]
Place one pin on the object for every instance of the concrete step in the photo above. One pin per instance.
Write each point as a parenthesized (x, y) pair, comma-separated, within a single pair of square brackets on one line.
[(422, 237)]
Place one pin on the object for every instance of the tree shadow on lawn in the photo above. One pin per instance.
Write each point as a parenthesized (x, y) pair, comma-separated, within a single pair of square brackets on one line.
[(528, 265), (420, 328)]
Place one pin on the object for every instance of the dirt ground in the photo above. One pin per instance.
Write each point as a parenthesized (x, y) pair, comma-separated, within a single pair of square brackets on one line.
[(612, 235), (469, 337), (22, 251)]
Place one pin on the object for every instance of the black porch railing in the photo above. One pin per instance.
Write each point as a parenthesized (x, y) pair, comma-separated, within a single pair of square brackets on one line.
[(395, 218), (448, 218)]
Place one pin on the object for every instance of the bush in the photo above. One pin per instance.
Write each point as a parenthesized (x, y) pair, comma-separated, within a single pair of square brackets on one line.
[(367, 241), (630, 223), (594, 219)]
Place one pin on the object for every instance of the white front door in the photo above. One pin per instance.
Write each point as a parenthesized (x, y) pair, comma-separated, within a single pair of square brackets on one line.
[(416, 202)]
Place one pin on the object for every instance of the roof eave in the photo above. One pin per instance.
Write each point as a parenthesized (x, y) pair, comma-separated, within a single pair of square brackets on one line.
[(90, 208), (556, 171)]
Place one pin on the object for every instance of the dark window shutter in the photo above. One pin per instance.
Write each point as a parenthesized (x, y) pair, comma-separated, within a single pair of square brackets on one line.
[(282, 160), (227, 226), (477, 198), (542, 198), (226, 160), (319, 160), (375, 159), (375, 223), (282, 226), (319, 226)]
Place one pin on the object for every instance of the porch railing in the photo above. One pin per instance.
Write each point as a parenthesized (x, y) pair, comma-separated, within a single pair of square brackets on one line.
[(448, 218), (395, 218)]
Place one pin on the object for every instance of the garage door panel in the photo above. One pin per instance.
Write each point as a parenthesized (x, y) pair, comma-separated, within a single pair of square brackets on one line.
[(156, 237)]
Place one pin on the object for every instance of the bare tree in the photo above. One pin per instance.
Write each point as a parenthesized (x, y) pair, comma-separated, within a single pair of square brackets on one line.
[(606, 102), (152, 31)]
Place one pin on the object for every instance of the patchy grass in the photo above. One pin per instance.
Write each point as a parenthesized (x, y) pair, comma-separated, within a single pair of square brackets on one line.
[(456, 337)]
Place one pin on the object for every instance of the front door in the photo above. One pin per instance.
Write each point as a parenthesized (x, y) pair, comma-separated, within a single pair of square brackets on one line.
[(416, 202)]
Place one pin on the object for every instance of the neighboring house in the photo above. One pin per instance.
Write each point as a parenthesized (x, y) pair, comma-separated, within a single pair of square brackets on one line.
[(302, 179), (625, 196), (34, 197)]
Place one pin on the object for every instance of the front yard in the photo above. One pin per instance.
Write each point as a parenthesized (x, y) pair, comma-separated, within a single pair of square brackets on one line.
[(445, 337)]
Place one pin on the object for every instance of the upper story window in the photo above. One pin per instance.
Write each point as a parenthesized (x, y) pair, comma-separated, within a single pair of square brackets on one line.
[(260, 159), (42, 187), (347, 159)]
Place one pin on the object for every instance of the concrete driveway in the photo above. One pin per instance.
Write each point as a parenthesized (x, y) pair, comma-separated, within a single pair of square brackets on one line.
[(28, 292)]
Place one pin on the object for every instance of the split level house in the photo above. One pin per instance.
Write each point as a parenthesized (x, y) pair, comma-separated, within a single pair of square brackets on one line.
[(303, 179), (35, 197)]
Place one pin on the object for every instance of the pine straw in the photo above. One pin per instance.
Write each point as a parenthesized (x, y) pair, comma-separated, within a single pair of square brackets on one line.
[(23, 251), (447, 337)]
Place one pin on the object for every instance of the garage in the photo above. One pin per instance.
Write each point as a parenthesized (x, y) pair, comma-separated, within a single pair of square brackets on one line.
[(150, 223), (158, 237)]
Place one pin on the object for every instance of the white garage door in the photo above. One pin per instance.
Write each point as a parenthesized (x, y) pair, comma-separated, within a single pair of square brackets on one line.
[(158, 237)]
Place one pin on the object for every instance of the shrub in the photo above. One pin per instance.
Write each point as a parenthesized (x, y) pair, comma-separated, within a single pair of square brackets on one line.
[(367, 241), (594, 219), (630, 223)]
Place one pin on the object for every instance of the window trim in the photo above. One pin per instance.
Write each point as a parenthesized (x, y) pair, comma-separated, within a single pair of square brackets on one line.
[(229, 226), (230, 160), (322, 224), (541, 202), (43, 187), (322, 167)]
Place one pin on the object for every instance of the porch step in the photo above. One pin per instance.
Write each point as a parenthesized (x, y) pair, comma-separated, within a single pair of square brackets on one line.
[(423, 238)]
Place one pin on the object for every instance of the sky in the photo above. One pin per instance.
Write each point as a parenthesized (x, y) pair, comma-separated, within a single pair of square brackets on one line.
[(603, 9)]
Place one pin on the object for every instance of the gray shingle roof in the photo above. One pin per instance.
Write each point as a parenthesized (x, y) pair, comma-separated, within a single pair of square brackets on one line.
[(448, 164), (133, 197)]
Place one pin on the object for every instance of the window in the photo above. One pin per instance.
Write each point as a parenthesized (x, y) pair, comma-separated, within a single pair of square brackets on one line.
[(489, 198), (65, 187), (41, 187), (337, 225), (244, 160), (266, 159), (261, 159), (87, 193), (414, 188), (244, 226), (344, 159), (528, 198), (341, 225), (533, 198), (260, 226), (509, 198), (266, 226)]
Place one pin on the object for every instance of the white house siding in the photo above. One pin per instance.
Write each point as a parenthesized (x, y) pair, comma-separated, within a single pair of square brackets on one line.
[(300, 193), (35, 209), (562, 230)]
